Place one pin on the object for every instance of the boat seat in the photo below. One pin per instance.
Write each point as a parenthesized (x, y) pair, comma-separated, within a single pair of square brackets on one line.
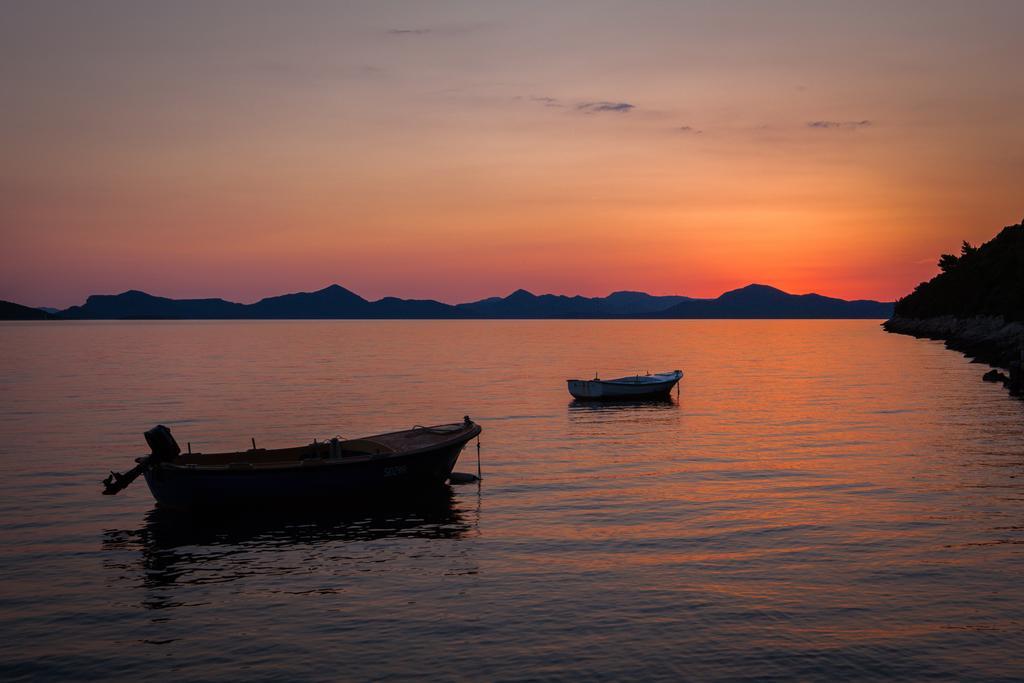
[(250, 457), (365, 446), (263, 456)]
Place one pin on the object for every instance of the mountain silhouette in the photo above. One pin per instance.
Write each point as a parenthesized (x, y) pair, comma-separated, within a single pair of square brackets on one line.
[(12, 311), (763, 301), (753, 301), (331, 302), (136, 304), (337, 302), (524, 304)]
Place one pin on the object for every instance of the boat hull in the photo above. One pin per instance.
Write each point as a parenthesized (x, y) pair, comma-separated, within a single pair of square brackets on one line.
[(612, 390), (182, 487)]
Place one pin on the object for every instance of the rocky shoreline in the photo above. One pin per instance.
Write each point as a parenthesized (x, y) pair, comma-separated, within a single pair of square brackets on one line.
[(988, 339)]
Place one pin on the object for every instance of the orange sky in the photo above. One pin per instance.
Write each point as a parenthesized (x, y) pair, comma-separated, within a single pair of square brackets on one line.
[(462, 150)]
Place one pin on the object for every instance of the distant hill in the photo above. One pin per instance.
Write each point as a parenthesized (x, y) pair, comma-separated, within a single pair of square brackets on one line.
[(336, 302), (136, 304), (985, 280), (524, 304), (762, 301), (12, 311), (331, 302)]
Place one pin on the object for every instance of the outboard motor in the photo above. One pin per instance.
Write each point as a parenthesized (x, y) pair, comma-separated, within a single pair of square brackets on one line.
[(162, 444), (164, 449)]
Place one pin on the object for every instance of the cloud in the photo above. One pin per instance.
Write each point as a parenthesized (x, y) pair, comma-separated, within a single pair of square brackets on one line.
[(547, 101), (441, 29), (848, 125), (595, 107), (690, 130)]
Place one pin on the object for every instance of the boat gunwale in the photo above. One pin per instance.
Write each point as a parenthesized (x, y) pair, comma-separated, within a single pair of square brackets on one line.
[(466, 434), (633, 380)]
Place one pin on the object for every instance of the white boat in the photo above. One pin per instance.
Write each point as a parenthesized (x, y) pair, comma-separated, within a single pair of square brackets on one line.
[(637, 386)]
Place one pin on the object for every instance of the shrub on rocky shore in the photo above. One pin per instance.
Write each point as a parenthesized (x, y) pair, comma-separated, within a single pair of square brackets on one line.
[(976, 304), (982, 281)]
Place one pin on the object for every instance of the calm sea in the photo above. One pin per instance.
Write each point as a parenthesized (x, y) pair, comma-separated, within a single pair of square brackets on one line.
[(822, 501)]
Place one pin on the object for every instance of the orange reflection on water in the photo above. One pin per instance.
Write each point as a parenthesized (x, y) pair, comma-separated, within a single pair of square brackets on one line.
[(819, 494)]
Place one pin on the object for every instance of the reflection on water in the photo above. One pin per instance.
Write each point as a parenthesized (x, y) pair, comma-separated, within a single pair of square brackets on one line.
[(623, 406), (219, 545), (821, 501)]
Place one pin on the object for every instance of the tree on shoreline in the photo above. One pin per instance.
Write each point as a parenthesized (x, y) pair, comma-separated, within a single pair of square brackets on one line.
[(983, 280)]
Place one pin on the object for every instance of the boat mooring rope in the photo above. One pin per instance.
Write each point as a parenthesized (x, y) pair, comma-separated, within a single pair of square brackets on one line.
[(465, 477)]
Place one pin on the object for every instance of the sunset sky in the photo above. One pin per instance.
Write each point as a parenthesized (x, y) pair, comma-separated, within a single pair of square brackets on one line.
[(462, 150)]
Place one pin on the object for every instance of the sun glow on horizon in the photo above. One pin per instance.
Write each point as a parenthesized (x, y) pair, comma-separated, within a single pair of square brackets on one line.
[(456, 151)]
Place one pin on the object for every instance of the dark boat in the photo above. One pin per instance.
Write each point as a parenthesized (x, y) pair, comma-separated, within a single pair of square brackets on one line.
[(327, 471)]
